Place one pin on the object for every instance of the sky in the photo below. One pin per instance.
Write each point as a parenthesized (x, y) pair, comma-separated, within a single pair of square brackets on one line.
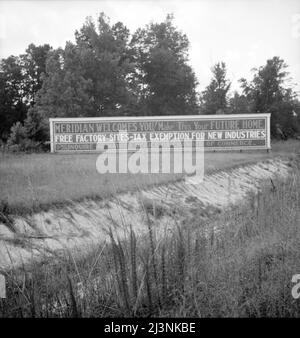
[(243, 34)]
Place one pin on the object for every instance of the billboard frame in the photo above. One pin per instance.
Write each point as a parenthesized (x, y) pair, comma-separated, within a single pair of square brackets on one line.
[(267, 116)]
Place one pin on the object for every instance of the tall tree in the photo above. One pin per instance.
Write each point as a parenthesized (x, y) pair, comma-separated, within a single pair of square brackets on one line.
[(64, 92), (269, 92), (106, 60), (166, 83), (239, 104), (12, 88), (34, 65), (20, 79), (214, 98), (90, 77)]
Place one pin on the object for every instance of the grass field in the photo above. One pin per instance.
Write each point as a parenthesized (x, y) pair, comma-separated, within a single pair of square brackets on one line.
[(31, 182), (245, 270)]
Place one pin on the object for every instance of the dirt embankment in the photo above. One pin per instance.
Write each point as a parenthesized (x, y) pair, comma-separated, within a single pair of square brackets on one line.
[(80, 226)]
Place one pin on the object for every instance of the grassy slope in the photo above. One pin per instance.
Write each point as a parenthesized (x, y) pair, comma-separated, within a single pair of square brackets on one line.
[(243, 271), (36, 181)]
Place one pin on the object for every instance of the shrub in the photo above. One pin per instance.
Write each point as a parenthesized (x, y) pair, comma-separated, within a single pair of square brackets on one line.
[(28, 137), (17, 137), (36, 127)]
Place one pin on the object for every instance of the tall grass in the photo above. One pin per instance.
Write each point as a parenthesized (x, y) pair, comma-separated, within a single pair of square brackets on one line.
[(239, 265)]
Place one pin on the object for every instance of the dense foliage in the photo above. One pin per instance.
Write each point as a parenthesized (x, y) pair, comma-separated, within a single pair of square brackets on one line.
[(108, 71)]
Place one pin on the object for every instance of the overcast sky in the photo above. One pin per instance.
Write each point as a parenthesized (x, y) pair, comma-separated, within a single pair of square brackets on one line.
[(242, 33)]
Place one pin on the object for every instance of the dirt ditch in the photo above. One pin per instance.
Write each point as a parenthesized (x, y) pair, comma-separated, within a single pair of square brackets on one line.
[(80, 226)]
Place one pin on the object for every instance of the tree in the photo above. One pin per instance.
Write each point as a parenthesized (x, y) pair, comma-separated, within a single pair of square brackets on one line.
[(12, 105), (106, 60), (239, 104), (64, 92), (269, 92), (34, 65), (20, 79), (36, 127), (88, 78), (17, 136), (214, 97), (165, 82)]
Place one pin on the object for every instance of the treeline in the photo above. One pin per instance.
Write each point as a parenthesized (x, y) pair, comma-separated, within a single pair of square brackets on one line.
[(110, 72)]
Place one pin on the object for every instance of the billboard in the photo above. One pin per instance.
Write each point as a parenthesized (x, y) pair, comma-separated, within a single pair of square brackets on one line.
[(218, 132)]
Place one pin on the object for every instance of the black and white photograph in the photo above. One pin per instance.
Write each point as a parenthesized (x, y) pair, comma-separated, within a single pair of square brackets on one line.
[(150, 162)]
